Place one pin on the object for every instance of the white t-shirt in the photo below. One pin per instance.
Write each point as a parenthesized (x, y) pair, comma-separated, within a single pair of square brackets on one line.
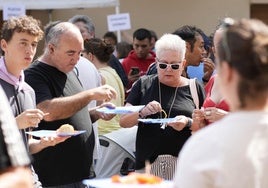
[(231, 153), (90, 78), (88, 74)]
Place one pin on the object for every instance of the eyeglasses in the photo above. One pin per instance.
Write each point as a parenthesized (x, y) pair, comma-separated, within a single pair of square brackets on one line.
[(165, 65), (227, 22)]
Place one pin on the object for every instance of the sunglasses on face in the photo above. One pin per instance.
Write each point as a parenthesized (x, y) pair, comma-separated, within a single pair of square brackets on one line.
[(165, 65)]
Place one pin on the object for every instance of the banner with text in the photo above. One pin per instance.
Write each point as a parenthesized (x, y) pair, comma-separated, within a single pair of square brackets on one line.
[(117, 22), (13, 10)]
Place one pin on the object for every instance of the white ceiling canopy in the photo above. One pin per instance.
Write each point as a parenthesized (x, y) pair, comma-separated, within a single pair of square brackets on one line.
[(61, 4), (64, 4)]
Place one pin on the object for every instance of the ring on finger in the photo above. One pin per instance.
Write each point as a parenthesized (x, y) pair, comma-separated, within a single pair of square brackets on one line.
[(208, 113)]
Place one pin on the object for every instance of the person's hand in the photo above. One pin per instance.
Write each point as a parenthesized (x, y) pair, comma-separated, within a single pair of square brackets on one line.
[(198, 117), (106, 116), (151, 108), (52, 141), (213, 114), (209, 68), (180, 122), (133, 77), (36, 146), (103, 93), (29, 118)]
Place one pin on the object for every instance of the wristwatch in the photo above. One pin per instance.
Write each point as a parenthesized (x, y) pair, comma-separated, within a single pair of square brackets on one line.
[(189, 123)]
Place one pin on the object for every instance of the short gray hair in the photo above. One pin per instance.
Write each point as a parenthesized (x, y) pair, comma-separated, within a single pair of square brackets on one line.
[(85, 19), (170, 42), (54, 34)]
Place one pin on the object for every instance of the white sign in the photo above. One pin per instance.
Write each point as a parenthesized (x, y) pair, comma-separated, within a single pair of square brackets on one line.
[(13, 10), (117, 22)]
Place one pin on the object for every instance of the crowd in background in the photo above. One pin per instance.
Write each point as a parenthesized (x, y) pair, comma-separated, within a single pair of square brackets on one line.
[(214, 88)]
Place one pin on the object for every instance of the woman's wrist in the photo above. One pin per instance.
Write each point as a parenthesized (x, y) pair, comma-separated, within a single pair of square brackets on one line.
[(141, 115), (189, 123), (94, 115)]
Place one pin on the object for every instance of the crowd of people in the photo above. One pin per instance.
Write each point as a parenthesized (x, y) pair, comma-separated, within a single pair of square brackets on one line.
[(218, 119)]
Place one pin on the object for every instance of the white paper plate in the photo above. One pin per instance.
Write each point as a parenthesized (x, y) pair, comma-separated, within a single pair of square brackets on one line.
[(50, 133), (165, 120), (107, 183), (120, 110)]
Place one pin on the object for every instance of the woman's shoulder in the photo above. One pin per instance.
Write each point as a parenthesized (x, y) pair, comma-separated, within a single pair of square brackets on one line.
[(107, 70), (145, 82), (148, 79)]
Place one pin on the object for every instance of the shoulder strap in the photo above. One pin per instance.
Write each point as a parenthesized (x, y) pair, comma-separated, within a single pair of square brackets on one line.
[(194, 93), (146, 82)]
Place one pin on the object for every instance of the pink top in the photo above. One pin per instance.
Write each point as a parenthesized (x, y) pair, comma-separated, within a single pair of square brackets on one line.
[(209, 102), (6, 76)]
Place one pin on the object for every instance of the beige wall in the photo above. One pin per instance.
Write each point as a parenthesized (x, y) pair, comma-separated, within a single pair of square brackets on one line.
[(259, 1), (166, 16), (161, 16)]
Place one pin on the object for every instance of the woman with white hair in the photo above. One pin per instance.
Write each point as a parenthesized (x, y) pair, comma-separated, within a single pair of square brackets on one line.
[(165, 95)]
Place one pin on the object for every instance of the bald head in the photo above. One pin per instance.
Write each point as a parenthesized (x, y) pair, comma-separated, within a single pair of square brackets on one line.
[(64, 44)]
